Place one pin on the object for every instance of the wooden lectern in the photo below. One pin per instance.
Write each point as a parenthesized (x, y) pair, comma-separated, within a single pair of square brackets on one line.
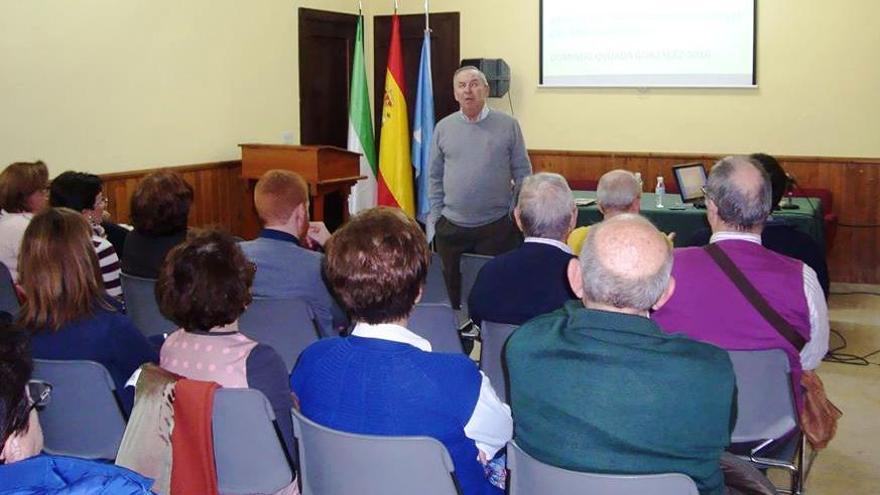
[(327, 169)]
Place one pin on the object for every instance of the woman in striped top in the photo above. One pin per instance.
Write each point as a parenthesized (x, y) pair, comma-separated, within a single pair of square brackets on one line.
[(83, 192)]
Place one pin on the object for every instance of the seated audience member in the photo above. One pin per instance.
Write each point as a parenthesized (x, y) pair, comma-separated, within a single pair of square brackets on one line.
[(22, 469), (709, 307), (159, 212), (599, 387), (24, 191), (82, 192), (284, 267), (66, 308), (204, 286), (779, 234), (618, 192), (376, 265), (530, 280)]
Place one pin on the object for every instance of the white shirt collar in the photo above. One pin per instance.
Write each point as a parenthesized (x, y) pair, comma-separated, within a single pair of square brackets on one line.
[(389, 331), (483, 113), (550, 242), (735, 236)]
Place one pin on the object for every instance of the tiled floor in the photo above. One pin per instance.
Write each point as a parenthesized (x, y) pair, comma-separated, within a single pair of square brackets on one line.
[(851, 463)]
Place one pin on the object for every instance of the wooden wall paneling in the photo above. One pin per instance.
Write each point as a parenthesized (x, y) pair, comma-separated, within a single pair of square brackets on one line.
[(854, 184)]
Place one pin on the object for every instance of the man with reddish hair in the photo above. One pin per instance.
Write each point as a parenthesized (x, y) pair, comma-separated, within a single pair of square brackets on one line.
[(284, 267)]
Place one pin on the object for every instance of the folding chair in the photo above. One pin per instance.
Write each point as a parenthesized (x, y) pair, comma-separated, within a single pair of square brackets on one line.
[(438, 324), (494, 336), (767, 419), (248, 453), (530, 476), (332, 462), (83, 417), (141, 306), (286, 325), (435, 286), (469, 267)]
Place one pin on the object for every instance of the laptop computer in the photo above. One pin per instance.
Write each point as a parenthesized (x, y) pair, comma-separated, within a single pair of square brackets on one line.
[(691, 177)]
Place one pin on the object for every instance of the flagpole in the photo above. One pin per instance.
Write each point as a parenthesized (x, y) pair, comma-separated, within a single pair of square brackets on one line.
[(360, 7), (395, 6), (427, 18)]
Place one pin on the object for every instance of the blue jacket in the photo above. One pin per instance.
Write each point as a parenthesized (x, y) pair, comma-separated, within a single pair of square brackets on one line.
[(46, 474), (284, 269)]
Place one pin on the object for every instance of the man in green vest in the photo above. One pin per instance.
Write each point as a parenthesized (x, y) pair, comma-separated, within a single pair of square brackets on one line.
[(598, 387)]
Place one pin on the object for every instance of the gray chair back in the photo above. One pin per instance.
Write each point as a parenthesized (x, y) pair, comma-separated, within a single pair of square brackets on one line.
[(438, 324), (8, 297), (529, 476), (83, 417), (286, 325), (248, 454), (493, 337), (142, 308), (765, 406), (435, 286), (333, 462), (470, 266)]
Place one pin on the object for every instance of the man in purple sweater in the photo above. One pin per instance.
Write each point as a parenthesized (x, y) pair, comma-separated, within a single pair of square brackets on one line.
[(708, 306)]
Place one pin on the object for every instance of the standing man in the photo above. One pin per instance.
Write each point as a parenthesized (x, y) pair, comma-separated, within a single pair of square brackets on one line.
[(478, 162)]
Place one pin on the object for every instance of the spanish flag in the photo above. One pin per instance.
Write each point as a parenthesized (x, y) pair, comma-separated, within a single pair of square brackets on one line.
[(395, 167)]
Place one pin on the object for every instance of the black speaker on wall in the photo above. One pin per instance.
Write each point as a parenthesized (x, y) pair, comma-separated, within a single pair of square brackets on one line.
[(497, 73)]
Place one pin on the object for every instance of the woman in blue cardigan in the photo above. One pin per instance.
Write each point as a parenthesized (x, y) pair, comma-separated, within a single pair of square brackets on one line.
[(67, 309), (384, 379)]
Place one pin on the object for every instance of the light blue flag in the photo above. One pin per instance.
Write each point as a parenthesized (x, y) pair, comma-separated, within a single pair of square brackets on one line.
[(423, 130)]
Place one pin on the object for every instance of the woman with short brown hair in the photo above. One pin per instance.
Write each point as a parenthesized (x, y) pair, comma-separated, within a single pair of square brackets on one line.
[(66, 308), (204, 286), (159, 212), (383, 379), (24, 190)]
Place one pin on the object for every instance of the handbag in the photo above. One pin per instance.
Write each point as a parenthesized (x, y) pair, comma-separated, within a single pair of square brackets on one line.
[(818, 419)]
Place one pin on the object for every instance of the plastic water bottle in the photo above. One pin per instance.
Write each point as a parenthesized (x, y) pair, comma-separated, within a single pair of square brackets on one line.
[(659, 191), (639, 180)]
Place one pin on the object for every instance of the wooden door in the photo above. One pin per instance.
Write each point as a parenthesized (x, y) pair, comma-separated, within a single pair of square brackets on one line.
[(326, 47)]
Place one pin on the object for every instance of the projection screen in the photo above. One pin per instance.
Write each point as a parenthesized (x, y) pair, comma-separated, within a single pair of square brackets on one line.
[(648, 43)]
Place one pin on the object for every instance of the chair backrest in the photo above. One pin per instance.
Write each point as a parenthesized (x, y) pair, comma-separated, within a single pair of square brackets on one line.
[(286, 325), (332, 461), (529, 476), (248, 453), (494, 336), (83, 417), (8, 297), (765, 405), (435, 286), (141, 306), (469, 267), (438, 324)]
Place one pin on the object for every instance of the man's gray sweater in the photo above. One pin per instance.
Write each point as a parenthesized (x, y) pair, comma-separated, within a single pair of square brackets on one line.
[(476, 168)]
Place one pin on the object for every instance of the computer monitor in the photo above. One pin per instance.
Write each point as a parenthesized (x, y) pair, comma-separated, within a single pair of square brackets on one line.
[(691, 177)]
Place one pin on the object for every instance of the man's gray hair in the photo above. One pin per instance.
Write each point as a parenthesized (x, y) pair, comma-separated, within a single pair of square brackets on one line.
[(546, 206), (617, 190), (607, 286), (742, 206), (471, 67)]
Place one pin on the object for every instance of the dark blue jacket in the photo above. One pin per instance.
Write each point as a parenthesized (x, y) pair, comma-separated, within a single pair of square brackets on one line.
[(521, 284)]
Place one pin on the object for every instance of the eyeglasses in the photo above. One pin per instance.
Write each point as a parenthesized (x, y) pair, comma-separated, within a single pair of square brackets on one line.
[(39, 393)]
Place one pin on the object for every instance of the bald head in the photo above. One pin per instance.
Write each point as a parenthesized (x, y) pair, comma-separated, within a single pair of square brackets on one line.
[(625, 264), (740, 190), (618, 192)]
